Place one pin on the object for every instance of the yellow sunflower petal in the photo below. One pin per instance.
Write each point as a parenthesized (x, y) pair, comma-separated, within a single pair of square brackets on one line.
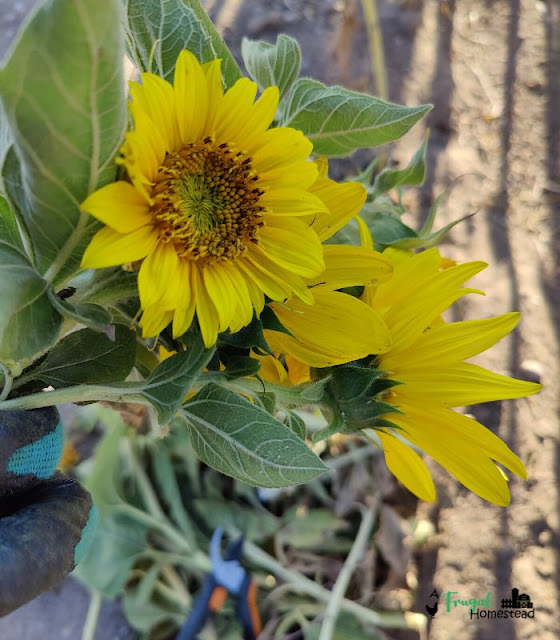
[(407, 466), (462, 384), (291, 244), (156, 98), (408, 271), (233, 109), (291, 202), (282, 147), (271, 369), (109, 248), (257, 120), (366, 240), (119, 206), (206, 312), (243, 304), (411, 318), (432, 431), (348, 266), (213, 73), (154, 320), (298, 372), (191, 95), (186, 301), (344, 201), (453, 342), (221, 292), (155, 274), (336, 329)]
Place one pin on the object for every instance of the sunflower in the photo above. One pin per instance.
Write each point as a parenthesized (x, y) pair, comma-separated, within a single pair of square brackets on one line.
[(221, 212), (427, 360)]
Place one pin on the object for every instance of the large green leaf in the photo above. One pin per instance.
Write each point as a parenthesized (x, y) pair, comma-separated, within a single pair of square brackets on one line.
[(169, 383), (272, 64), (158, 30), (63, 96), (339, 121), (29, 324), (89, 357), (241, 440)]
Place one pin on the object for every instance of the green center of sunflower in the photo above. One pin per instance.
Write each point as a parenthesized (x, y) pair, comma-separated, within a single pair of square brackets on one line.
[(206, 201)]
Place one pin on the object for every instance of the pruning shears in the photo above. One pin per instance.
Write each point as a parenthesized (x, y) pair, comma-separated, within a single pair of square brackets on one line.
[(226, 577)]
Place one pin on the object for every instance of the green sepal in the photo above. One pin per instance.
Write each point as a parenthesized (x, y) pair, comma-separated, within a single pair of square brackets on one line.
[(336, 425)]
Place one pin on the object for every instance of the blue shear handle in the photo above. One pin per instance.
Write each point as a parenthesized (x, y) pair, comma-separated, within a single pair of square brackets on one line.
[(200, 611)]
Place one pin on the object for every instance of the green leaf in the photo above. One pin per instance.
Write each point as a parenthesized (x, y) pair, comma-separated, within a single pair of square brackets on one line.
[(296, 424), (86, 313), (168, 384), (63, 96), (89, 357), (117, 543), (249, 337), (339, 121), (347, 626), (272, 65), (412, 174), (169, 489), (241, 366), (9, 230), (241, 440), (256, 524), (389, 231), (309, 529), (29, 324), (431, 239), (159, 30), (145, 614)]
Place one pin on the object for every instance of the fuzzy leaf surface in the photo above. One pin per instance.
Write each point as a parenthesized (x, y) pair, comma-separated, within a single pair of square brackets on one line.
[(339, 121), (173, 25), (272, 65), (63, 97), (241, 440)]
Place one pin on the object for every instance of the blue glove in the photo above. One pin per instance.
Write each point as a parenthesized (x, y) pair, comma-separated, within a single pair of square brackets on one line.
[(46, 519)]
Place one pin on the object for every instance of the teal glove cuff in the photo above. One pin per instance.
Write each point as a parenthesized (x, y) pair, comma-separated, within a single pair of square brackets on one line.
[(30, 447)]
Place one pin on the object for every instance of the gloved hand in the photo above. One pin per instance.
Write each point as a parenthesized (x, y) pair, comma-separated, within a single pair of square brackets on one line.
[(46, 519)]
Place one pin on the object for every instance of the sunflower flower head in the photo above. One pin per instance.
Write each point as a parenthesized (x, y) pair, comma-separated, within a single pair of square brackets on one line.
[(221, 211), (427, 360)]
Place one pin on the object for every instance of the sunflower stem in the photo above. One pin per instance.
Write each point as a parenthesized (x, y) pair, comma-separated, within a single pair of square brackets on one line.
[(90, 625), (341, 585)]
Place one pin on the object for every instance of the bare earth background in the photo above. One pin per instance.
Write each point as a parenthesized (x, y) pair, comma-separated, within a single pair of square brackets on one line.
[(492, 70)]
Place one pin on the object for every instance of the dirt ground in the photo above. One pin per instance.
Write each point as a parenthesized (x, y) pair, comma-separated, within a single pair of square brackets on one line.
[(492, 71)]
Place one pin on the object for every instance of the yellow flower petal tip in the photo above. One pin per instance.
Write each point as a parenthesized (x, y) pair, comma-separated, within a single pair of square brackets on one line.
[(223, 210)]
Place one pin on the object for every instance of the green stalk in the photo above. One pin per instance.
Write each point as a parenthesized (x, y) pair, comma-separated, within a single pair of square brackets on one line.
[(90, 625), (341, 585)]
